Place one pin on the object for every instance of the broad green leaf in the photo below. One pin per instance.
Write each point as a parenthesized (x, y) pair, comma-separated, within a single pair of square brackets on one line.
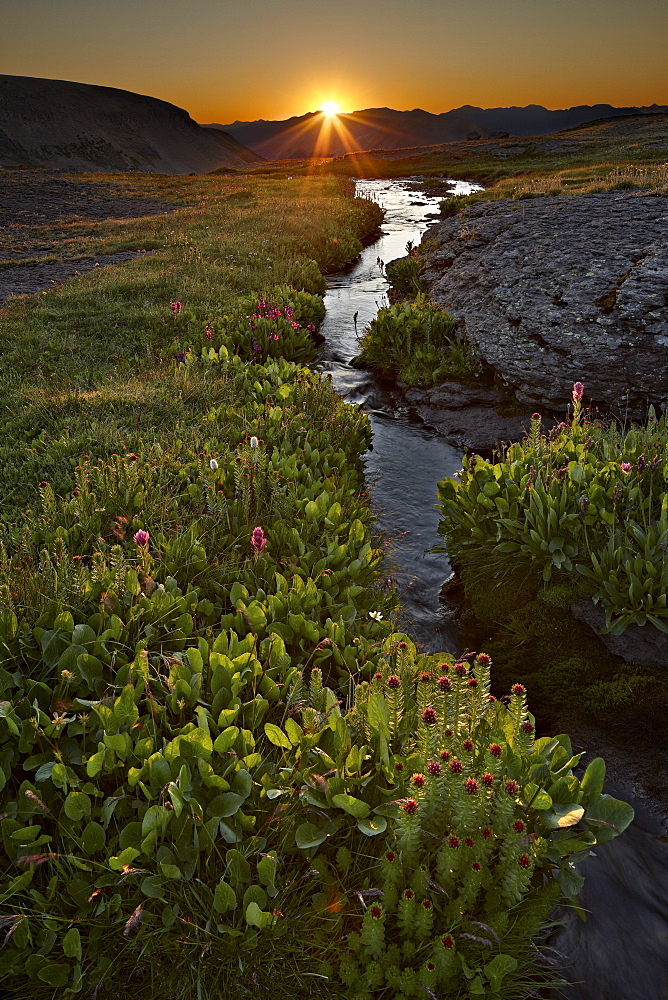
[(226, 739), (378, 714), (570, 882), (592, 781), (294, 731), (226, 804), (372, 825), (255, 917), (224, 898), (356, 808), (499, 967), (276, 736), (93, 838), (608, 817), (72, 944), (266, 869), (536, 797), (54, 973), (153, 886), (126, 857), (77, 805), (308, 835)]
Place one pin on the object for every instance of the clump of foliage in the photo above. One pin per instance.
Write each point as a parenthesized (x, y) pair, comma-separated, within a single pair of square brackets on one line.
[(437, 823), (416, 343), (589, 498)]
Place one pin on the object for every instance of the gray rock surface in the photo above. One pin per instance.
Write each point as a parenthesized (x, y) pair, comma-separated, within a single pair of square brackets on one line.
[(557, 290), (644, 645)]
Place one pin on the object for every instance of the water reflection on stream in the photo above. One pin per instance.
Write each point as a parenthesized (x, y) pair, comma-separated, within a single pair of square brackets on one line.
[(407, 459), (621, 952)]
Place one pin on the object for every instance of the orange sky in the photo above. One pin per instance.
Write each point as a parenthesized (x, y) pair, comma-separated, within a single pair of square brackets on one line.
[(245, 59)]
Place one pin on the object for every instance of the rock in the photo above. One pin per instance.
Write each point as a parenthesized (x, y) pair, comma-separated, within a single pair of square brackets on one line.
[(644, 645), (454, 396), (552, 291), (479, 428)]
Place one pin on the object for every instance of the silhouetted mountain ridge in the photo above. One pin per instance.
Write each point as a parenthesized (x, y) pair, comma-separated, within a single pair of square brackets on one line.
[(60, 124), (386, 128)]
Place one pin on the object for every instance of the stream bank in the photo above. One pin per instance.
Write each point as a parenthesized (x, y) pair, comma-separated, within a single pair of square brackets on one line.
[(619, 953)]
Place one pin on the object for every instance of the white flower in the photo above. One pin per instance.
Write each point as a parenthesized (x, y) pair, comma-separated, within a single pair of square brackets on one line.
[(214, 464), (254, 442), (376, 615)]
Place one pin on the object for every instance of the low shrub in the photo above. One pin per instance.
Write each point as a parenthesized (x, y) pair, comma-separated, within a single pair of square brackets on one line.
[(417, 343), (588, 497)]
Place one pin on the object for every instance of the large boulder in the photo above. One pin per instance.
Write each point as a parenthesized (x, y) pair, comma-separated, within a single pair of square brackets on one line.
[(555, 290)]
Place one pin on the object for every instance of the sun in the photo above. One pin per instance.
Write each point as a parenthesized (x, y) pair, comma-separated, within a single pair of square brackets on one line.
[(330, 109)]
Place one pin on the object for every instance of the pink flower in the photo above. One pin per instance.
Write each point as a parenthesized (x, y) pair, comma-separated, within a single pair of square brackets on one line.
[(625, 467), (141, 537), (410, 806), (295, 326), (578, 391), (429, 717), (176, 307), (257, 540)]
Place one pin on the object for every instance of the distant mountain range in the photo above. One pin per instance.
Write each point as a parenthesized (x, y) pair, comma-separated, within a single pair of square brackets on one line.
[(384, 128), (57, 124)]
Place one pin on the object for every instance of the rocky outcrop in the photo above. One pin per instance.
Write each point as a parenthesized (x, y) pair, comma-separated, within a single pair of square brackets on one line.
[(556, 290), (57, 124)]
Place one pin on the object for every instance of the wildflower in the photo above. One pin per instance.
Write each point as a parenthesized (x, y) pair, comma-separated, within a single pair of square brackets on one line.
[(214, 464), (376, 911), (311, 327), (254, 443), (410, 806), (427, 904), (475, 866), (495, 750), (483, 660), (390, 856), (429, 717), (257, 540), (518, 826), (535, 416), (378, 676), (444, 755), (456, 767), (461, 669), (425, 677), (527, 727), (208, 331), (275, 336), (402, 645), (434, 768), (486, 832), (376, 615), (472, 682), (393, 682), (418, 780), (625, 467), (277, 913), (468, 745), (447, 941), (488, 780), (444, 684), (294, 325), (468, 842), (453, 842), (431, 967), (524, 861), (470, 786), (512, 787), (578, 391), (518, 689), (256, 348), (142, 537), (398, 766), (408, 894), (176, 307)]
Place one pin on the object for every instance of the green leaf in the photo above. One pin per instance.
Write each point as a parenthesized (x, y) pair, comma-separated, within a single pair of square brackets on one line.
[(54, 973), (276, 736), (224, 898), (499, 967), (372, 825), (153, 886), (308, 835), (226, 804), (356, 808), (570, 882), (126, 857), (536, 797), (266, 869), (378, 714), (226, 739), (77, 805), (592, 781), (255, 917), (72, 944), (609, 817), (294, 731), (93, 838)]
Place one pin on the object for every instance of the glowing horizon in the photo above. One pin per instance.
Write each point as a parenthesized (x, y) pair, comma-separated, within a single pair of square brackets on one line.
[(257, 59)]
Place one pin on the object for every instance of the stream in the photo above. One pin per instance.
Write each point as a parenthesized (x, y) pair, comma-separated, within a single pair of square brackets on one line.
[(620, 952)]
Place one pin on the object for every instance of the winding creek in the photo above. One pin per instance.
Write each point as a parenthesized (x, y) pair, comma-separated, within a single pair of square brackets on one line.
[(621, 951)]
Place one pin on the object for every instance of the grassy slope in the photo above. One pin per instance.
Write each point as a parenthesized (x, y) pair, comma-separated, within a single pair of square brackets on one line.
[(89, 367)]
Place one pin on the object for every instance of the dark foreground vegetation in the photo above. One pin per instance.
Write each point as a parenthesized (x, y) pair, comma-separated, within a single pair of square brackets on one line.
[(222, 771)]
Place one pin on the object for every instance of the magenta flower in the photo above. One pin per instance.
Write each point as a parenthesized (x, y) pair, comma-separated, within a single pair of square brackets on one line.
[(257, 540), (625, 467), (295, 326), (578, 391), (142, 537), (176, 307)]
